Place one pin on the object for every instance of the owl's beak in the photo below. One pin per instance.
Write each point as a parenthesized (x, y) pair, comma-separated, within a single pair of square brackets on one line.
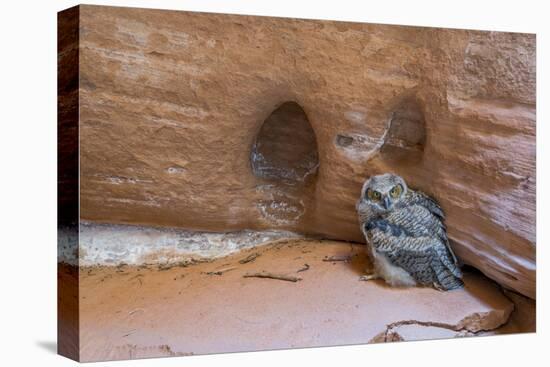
[(386, 202)]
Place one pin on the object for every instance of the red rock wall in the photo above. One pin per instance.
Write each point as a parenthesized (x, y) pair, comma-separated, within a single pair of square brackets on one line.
[(171, 105), (68, 301)]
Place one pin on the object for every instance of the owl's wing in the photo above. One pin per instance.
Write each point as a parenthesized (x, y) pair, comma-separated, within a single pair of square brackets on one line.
[(426, 258), (419, 220), (420, 217), (419, 198), (414, 255)]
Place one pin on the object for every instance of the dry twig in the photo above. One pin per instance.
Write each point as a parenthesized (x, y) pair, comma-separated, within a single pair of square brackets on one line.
[(306, 267), (267, 275), (221, 271), (337, 258), (249, 258)]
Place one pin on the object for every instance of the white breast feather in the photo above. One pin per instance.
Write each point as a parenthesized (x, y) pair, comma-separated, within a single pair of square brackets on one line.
[(393, 275)]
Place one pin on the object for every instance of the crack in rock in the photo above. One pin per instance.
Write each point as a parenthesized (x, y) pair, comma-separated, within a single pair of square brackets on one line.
[(468, 326)]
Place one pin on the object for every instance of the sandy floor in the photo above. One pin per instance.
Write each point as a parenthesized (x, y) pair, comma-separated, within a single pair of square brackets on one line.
[(210, 307)]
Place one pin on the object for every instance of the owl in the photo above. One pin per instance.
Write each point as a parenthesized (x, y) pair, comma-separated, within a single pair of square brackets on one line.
[(406, 237)]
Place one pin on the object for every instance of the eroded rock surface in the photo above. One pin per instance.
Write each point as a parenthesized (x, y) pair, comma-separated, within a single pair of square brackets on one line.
[(115, 244), (171, 105), (154, 310)]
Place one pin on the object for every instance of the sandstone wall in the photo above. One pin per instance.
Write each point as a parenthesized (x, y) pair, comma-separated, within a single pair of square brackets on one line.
[(172, 106)]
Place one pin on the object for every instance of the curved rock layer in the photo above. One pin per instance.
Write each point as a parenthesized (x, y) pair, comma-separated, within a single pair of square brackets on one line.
[(173, 103)]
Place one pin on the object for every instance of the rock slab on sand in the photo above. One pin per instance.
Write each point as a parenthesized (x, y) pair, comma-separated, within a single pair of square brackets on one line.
[(210, 307)]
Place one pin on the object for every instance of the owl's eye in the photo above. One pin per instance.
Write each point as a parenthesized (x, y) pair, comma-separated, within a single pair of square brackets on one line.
[(396, 191), (373, 195)]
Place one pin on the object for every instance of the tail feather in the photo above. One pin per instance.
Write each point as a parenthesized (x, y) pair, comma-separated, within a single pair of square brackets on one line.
[(447, 280)]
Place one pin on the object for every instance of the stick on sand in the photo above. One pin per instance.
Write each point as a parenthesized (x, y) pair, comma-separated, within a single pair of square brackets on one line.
[(264, 274), (220, 271), (249, 258), (337, 258)]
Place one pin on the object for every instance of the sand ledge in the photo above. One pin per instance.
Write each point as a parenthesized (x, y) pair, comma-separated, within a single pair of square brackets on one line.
[(210, 307)]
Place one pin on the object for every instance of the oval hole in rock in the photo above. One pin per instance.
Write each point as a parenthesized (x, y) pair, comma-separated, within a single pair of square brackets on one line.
[(407, 134), (285, 160), (285, 149)]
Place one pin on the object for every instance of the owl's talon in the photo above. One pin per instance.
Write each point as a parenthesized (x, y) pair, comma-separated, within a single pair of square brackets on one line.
[(369, 277)]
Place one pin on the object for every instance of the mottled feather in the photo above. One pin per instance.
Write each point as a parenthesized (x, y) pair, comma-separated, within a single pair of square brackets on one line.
[(419, 198)]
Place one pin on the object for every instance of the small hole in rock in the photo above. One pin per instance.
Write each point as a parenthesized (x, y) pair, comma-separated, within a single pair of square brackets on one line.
[(407, 134), (344, 141)]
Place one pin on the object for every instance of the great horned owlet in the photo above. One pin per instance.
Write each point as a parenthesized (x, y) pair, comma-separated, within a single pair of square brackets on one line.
[(405, 234)]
